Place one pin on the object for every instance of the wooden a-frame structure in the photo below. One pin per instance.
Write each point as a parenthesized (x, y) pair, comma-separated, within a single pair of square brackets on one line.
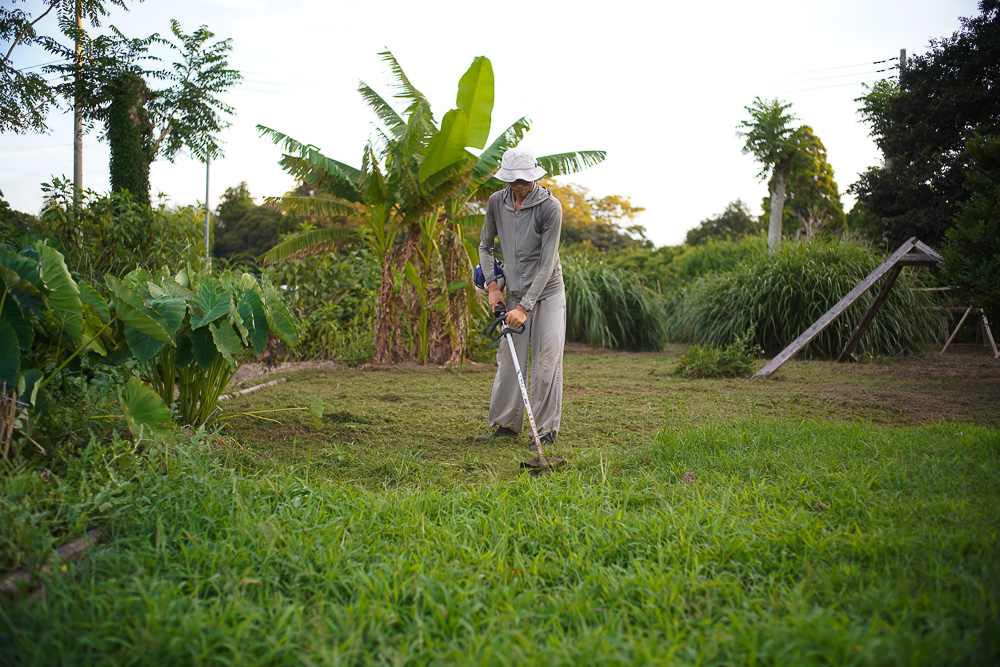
[(911, 253)]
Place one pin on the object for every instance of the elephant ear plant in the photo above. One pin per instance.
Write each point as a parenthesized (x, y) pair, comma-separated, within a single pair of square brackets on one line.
[(191, 333), (186, 336), (46, 321)]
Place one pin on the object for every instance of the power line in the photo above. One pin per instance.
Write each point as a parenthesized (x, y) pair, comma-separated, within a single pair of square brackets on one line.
[(51, 62), (837, 85), (836, 76), (828, 69)]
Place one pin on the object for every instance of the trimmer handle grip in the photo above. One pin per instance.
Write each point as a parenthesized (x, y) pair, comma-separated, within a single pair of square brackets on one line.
[(499, 317)]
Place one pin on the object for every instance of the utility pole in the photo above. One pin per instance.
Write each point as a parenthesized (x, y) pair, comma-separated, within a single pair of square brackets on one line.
[(208, 164), (902, 63), (78, 113)]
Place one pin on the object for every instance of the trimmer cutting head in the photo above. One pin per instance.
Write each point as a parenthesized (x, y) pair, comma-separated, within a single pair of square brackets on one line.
[(538, 468)]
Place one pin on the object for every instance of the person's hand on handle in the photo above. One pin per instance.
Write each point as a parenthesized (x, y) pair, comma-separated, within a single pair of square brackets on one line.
[(496, 296), (516, 317)]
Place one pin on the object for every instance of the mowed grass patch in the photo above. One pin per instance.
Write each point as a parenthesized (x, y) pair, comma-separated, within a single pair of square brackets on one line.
[(416, 426), (731, 542)]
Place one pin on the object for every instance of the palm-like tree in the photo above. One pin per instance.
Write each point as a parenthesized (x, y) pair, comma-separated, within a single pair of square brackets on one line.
[(412, 195)]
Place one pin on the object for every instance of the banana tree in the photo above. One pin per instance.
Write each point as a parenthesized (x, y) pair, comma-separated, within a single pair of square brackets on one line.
[(412, 196)]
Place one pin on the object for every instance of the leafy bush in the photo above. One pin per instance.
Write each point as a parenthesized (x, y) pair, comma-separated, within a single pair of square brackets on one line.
[(784, 292), (971, 249), (713, 256), (671, 268), (334, 297), (611, 307), (114, 233), (709, 361)]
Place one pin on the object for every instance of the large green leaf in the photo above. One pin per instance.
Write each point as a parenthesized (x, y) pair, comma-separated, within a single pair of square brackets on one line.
[(227, 342), (313, 242), (92, 324), (25, 267), (143, 347), (447, 146), (64, 295), (172, 309), (475, 99), (19, 322), (382, 109), (279, 318), (254, 317), (236, 319), (203, 348), (92, 298), (489, 159), (145, 412), (130, 308), (10, 356), (561, 164), (136, 279), (208, 305)]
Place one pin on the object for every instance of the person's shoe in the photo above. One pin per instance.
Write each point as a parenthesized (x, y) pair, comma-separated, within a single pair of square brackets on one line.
[(501, 432), (546, 440)]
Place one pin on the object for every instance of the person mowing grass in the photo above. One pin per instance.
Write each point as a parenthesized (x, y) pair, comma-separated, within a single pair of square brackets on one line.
[(527, 220)]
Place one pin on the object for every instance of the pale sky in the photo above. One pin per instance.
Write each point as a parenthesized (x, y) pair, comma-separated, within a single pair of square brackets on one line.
[(661, 87)]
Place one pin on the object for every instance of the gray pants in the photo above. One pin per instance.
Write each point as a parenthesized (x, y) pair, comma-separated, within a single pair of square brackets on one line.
[(545, 330)]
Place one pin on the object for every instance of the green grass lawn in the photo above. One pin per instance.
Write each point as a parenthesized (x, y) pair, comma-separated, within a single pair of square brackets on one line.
[(832, 514)]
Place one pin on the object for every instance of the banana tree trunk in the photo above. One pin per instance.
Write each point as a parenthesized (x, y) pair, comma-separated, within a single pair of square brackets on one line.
[(450, 331), (403, 319), (385, 317)]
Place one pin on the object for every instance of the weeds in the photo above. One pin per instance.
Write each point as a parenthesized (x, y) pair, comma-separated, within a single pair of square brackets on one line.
[(708, 361)]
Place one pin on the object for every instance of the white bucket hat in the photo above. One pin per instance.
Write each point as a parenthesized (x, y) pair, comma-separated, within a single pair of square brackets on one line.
[(519, 164)]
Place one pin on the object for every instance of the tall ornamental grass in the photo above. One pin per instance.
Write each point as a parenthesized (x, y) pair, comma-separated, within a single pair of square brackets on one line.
[(785, 292), (610, 307)]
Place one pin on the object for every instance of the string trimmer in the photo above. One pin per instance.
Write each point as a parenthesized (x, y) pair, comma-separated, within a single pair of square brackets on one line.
[(541, 464)]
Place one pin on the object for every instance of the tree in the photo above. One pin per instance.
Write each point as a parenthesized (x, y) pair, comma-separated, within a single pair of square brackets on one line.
[(142, 124), (812, 200), (244, 230), (923, 125), (129, 134), (971, 248), (771, 139), (25, 97), (413, 197), (732, 224), (597, 221)]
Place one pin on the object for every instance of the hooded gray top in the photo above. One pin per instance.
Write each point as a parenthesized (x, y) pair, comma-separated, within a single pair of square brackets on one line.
[(530, 242)]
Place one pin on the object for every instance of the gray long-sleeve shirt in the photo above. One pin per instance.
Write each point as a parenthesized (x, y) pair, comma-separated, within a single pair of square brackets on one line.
[(530, 242)]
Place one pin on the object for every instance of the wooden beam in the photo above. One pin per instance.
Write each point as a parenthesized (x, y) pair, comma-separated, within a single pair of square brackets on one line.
[(989, 334), (22, 582), (957, 327), (926, 249), (832, 314), (918, 259), (862, 327)]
